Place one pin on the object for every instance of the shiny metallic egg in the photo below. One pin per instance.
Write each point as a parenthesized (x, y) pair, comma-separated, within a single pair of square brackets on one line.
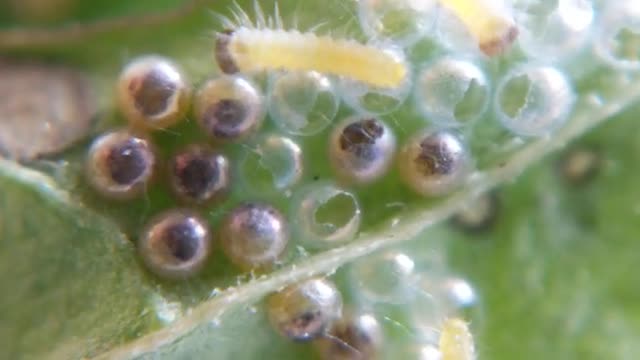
[(120, 164), (361, 149), (305, 311), (199, 174), (229, 108), (254, 235), (354, 337), (153, 92), (434, 162), (176, 244)]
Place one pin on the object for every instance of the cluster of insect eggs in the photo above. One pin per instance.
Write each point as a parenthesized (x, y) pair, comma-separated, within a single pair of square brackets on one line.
[(153, 93), (312, 311)]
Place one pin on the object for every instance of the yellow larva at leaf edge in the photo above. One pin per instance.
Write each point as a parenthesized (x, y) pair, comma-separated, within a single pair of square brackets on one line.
[(456, 341), (489, 21)]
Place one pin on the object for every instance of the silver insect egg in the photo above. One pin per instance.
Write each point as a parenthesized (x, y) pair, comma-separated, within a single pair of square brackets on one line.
[(254, 235), (435, 162), (304, 311), (153, 92), (356, 336), (199, 174), (176, 244), (361, 149), (229, 108), (120, 164)]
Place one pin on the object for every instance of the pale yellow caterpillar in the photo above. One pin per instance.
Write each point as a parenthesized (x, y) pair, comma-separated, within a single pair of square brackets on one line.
[(250, 48), (456, 341), (489, 21)]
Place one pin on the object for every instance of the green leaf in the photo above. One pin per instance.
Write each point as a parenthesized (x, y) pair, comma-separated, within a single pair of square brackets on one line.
[(554, 276), (72, 281)]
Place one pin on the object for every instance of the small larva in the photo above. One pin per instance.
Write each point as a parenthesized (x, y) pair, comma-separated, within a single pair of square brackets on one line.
[(246, 48), (456, 341), (488, 21)]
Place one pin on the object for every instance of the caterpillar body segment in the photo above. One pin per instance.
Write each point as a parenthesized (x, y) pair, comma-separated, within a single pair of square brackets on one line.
[(456, 341), (249, 50)]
